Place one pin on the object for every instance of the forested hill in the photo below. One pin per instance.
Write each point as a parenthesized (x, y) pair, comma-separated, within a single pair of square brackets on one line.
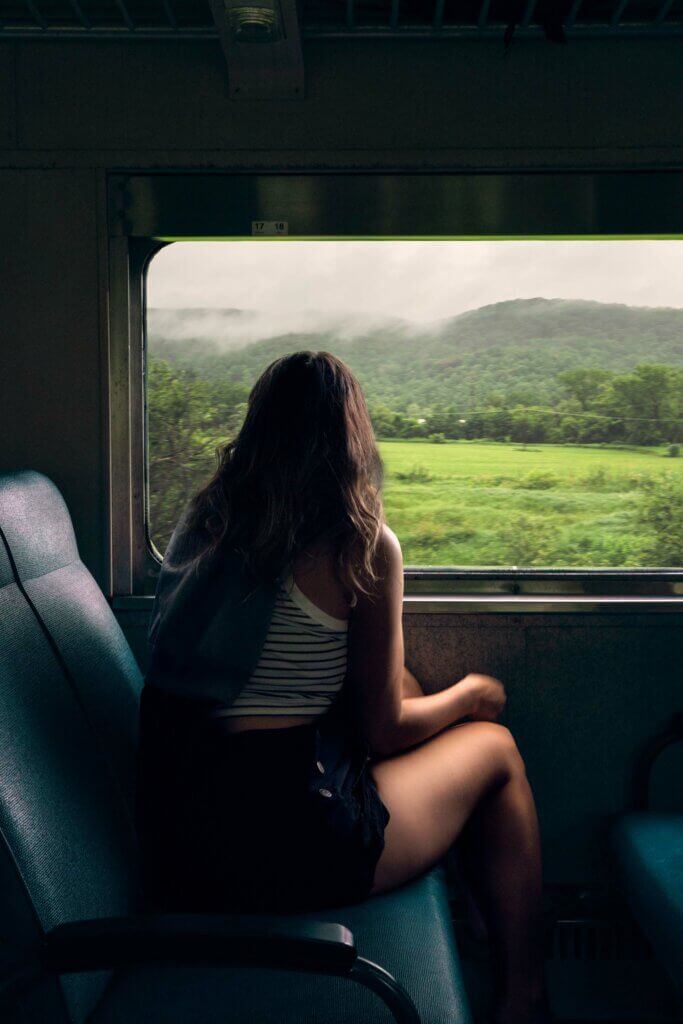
[(510, 352), (528, 319)]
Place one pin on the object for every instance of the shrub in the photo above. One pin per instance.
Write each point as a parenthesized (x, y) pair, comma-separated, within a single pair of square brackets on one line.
[(437, 438), (537, 480), (673, 451), (415, 475), (593, 546), (661, 514), (601, 479), (499, 480), (526, 540)]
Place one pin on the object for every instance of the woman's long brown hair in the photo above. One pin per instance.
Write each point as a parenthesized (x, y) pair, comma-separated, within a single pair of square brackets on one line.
[(303, 466)]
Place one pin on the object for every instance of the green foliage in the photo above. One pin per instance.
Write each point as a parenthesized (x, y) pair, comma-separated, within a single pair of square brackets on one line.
[(579, 547), (585, 383), (472, 513), (387, 423), (416, 475), (526, 540), (604, 479), (437, 438), (661, 515), (673, 451), (650, 401), (188, 419), (537, 480)]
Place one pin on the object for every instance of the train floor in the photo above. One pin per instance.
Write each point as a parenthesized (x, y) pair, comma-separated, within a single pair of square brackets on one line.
[(597, 970)]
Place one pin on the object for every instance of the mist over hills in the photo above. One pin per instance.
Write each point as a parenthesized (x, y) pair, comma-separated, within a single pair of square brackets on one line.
[(229, 329), (511, 350)]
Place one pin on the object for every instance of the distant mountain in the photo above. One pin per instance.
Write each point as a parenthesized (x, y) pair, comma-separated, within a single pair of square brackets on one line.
[(511, 349), (524, 320)]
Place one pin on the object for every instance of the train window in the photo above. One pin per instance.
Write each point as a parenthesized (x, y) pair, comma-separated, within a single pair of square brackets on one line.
[(527, 395)]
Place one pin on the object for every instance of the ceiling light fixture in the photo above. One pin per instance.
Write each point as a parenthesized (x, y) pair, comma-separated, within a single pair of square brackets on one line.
[(262, 46), (257, 22)]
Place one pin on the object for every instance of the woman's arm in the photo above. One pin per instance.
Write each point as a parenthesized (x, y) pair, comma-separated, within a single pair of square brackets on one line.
[(390, 721), (411, 687)]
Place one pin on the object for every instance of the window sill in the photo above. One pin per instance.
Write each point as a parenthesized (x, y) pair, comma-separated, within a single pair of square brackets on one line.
[(463, 604)]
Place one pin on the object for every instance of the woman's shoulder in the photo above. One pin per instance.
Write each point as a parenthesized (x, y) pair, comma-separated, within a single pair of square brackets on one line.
[(316, 568), (388, 545), (384, 580), (387, 556)]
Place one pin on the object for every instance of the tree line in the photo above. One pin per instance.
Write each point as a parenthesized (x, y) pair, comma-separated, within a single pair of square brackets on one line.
[(643, 407)]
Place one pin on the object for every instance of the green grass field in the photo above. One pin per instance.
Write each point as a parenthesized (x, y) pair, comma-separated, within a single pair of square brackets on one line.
[(475, 503)]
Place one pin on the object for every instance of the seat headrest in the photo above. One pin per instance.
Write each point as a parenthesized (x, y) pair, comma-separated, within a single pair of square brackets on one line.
[(36, 524)]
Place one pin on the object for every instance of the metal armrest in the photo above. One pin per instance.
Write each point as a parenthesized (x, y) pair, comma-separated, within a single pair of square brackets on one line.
[(648, 756), (212, 940)]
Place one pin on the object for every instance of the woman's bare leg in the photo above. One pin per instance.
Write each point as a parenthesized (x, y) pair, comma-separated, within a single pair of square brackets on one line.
[(432, 792), (468, 884), (499, 849)]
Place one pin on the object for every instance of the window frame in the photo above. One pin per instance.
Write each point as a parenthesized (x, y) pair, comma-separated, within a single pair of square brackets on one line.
[(147, 212)]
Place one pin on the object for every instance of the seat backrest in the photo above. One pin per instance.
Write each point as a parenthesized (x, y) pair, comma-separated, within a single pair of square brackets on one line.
[(74, 614), (68, 714)]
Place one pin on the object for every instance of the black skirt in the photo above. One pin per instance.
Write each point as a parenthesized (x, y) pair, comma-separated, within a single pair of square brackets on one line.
[(274, 820)]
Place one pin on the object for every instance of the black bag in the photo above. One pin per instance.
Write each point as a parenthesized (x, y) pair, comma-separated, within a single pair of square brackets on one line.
[(345, 797)]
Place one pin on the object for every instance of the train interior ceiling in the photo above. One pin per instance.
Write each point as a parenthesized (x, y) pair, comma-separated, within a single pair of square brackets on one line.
[(479, 206)]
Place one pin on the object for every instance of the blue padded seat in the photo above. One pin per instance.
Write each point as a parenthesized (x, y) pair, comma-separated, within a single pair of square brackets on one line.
[(649, 848), (407, 931), (69, 690), (75, 615), (67, 847)]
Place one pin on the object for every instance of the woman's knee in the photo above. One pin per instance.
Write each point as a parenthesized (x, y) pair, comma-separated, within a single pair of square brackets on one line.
[(501, 748)]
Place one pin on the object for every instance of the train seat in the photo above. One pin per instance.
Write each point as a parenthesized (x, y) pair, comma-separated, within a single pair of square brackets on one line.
[(72, 948), (407, 932), (649, 849), (73, 614)]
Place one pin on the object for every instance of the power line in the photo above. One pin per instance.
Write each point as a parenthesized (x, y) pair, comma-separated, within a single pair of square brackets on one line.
[(545, 411), (617, 418)]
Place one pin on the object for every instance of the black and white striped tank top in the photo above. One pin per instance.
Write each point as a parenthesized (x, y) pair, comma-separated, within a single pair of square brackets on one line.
[(302, 663)]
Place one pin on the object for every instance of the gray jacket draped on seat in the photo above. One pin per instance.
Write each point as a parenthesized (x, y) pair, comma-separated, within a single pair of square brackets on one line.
[(209, 622)]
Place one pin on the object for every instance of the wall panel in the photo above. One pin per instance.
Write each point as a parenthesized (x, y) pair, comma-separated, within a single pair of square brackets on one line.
[(50, 366), (584, 694), (420, 101)]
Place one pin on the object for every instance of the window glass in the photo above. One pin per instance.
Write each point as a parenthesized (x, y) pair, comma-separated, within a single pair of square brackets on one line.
[(527, 395)]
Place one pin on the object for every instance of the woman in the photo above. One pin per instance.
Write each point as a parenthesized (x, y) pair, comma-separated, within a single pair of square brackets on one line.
[(289, 759)]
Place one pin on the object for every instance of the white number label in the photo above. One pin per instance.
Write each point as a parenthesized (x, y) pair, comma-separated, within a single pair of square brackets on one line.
[(269, 227)]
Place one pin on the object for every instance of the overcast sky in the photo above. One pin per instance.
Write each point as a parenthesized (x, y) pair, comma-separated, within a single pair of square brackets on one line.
[(418, 281)]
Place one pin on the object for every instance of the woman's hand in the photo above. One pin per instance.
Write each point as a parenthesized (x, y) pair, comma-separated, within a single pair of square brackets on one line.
[(488, 696)]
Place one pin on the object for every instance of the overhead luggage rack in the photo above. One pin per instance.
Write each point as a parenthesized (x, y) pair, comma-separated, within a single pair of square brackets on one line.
[(349, 19)]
